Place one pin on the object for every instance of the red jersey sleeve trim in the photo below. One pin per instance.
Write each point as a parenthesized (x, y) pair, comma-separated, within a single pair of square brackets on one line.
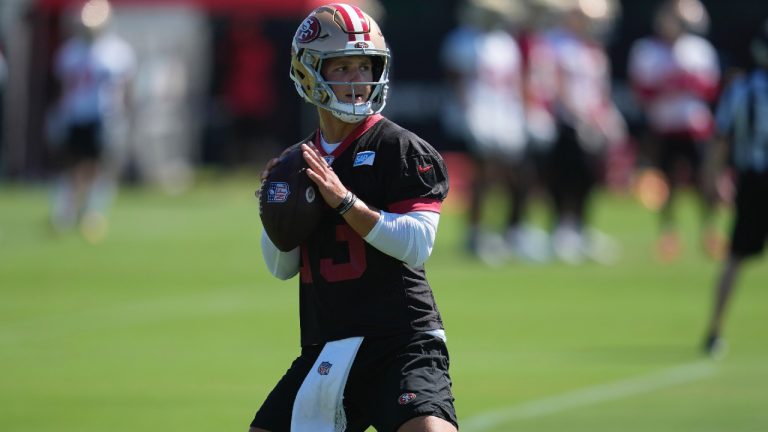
[(418, 204)]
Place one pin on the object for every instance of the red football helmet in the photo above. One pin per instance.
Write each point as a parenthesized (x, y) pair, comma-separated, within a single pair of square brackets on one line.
[(337, 30)]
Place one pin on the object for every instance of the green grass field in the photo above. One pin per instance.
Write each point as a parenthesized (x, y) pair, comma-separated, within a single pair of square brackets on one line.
[(173, 323)]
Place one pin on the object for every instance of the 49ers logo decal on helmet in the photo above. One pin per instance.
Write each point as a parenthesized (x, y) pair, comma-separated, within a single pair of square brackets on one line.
[(309, 30)]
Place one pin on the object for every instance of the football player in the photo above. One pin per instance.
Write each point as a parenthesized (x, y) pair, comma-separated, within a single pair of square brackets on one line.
[(742, 124), (675, 75), (373, 347), (94, 69), (588, 124), (485, 111)]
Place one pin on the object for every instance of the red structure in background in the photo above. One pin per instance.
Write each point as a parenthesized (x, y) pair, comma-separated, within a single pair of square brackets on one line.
[(251, 56)]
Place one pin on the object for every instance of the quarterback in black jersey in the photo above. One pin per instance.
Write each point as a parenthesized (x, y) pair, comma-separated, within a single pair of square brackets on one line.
[(373, 345)]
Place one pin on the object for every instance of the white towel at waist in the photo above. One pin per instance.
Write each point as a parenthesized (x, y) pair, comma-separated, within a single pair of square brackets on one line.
[(319, 401)]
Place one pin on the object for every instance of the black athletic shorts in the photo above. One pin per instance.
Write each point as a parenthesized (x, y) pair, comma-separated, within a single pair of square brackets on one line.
[(83, 142), (675, 149), (750, 229), (569, 171), (392, 380)]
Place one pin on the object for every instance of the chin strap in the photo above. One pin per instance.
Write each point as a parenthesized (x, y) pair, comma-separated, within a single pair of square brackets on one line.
[(350, 118)]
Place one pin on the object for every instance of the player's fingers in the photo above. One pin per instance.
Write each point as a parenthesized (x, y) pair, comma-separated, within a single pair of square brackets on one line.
[(319, 169), (312, 176), (309, 150), (310, 159), (316, 163), (330, 193), (322, 185), (307, 153), (315, 154)]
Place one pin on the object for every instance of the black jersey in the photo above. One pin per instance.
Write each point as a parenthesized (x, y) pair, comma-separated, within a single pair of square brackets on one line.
[(348, 287)]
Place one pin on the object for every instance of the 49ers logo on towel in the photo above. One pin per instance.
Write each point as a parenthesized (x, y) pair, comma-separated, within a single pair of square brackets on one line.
[(309, 30), (324, 368), (406, 398)]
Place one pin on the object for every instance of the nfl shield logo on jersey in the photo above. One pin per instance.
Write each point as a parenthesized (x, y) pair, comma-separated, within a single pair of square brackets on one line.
[(324, 368), (278, 192)]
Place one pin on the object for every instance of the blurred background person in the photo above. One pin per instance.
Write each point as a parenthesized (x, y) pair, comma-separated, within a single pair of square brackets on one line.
[(3, 83), (742, 128), (486, 113), (93, 69), (675, 76), (588, 122), (539, 75)]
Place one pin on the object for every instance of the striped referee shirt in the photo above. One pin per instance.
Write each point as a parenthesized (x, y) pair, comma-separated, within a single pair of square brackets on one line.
[(742, 115)]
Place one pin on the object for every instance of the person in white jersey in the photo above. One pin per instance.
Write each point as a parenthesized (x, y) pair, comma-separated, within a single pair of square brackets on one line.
[(588, 122), (675, 76), (485, 112), (94, 69)]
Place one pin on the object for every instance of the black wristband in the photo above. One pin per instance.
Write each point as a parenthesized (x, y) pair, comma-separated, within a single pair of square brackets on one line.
[(346, 203)]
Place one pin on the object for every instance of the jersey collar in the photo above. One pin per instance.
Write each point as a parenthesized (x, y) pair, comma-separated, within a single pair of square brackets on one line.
[(356, 133)]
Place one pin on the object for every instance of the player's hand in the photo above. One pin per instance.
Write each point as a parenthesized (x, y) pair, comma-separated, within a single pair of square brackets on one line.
[(328, 183)]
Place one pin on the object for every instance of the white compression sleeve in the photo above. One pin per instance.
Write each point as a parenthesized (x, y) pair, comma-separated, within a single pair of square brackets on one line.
[(283, 265), (408, 237)]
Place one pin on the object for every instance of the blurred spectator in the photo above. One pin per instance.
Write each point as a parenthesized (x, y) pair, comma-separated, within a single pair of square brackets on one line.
[(742, 124), (3, 83), (484, 68), (539, 75), (94, 68), (588, 123), (675, 75)]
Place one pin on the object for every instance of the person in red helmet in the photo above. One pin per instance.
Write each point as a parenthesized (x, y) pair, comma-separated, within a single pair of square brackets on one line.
[(373, 350)]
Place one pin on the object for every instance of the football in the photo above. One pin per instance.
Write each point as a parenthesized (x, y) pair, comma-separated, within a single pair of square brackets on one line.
[(290, 206)]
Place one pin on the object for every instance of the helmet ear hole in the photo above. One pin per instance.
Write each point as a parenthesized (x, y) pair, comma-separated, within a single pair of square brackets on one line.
[(378, 67)]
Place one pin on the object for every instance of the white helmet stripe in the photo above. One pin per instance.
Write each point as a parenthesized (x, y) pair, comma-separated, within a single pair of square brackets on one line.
[(351, 16)]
